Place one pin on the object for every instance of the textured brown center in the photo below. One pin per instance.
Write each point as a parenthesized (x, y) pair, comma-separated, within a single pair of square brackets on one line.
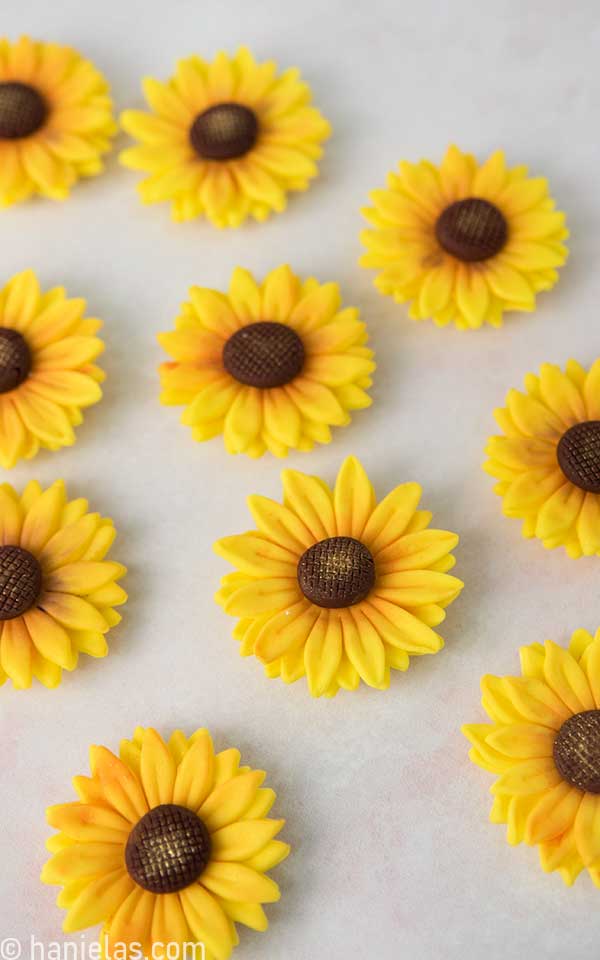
[(577, 751), (20, 582), (471, 229), (578, 454), (22, 110), (264, 354), (167, 849), (15, 359), (224, 132), (336, 572)]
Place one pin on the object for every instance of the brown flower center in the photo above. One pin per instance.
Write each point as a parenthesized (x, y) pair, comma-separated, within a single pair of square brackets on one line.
[(336, 572), (22, 110), (471, 230), (224, 132), (15, 359), (167, 849), (577, 751), (578, 455), (20, 582), (264, 354)]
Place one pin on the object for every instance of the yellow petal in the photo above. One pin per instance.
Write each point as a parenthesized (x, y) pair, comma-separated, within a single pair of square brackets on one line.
[(561, 395), (195, 773), (257, 556), (83, 578), (157, 769), (311, 500), (566, 678), (229, 801), (528, 777), (281, 291), (553, 814), (354, 499), (416, 551), (88, 823), (121, 787), (390, 518), (52, 640), (235, 881), (42, 520), (591, 391), (263, 596), (73, 612), (98, 900), (207, 920), (82, 860), (323, 653), (514, 699), (16, 652), (522, 741), (11, 516), (280, 524), (587, 829), (285, 632), (560, 512), (244, 839), (363, 647)]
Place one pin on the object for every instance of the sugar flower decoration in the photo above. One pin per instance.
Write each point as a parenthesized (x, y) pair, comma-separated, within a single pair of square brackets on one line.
[(57, 590), (168, 845), (335, 586), (47, 373), (544, 746), (270, 366), (548, 460), (56, 120), (463, 242), (226, 140)]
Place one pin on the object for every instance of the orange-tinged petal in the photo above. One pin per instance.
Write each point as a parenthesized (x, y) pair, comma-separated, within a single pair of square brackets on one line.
[(121, 787)]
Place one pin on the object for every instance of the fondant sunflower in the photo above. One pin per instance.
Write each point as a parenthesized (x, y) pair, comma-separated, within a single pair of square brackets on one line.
[(464, 242), (226, 140), (166, 847), (57, 591), (544, 745), (47, 374), (270, 366), (55, 120), (548, 461), (336, 586)]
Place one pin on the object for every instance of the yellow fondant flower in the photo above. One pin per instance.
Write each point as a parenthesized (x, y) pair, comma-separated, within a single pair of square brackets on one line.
[(548, 460), (226, 140), (56, 120), (464, 242), (47, 373), (336, 586), (544, 746), (57, 590), (167, 846), (270, 366)]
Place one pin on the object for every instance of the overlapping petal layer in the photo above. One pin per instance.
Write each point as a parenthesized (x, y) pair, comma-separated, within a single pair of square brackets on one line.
[(530, 796), (524, 459), (75, 608), (227, 192), (403, 245), (332, 382), (40, 412), (336, 648), (78, 126), (88, 852)]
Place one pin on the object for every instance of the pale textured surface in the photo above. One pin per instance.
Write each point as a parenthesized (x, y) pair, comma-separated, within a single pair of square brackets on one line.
[(393, 854)]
